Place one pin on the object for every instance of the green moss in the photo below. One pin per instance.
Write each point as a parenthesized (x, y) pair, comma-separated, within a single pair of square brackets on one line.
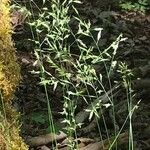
[(9, 80), (9, 68)]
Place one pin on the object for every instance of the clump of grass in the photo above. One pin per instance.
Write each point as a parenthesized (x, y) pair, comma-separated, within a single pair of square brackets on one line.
[(75, 63)]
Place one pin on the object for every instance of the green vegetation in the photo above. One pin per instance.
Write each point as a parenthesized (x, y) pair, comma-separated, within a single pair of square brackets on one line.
[(76, 62), (64, 48), (140, 5)]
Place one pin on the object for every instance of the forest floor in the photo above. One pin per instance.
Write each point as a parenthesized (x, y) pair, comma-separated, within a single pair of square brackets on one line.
[(135, 51)]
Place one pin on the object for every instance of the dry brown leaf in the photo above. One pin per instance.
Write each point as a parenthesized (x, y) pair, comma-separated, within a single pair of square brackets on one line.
[(44, 148), (104, 145), (66, 141), (45, 139), (17, 20), (82, 142), (94, 146)]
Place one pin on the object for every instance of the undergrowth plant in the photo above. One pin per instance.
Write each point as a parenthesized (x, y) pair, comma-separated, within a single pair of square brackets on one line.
[(139, 5), (69, 61), (126, 75)]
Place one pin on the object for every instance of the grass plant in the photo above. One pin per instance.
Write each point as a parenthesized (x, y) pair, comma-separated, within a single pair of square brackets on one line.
[(68, 61)]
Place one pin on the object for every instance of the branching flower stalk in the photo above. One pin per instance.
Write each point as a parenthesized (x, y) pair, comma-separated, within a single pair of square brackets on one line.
[(63, 49), (126, 77)]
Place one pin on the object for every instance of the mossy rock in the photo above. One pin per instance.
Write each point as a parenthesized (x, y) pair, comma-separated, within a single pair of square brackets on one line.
[(9, 133), (9, 68), (9, 80)]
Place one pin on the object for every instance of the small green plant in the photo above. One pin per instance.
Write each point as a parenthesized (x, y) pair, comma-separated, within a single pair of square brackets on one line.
[(38, 118), (140, 5)]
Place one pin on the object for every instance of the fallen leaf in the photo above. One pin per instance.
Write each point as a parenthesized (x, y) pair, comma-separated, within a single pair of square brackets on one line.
[(44, 148), (45, 139)]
